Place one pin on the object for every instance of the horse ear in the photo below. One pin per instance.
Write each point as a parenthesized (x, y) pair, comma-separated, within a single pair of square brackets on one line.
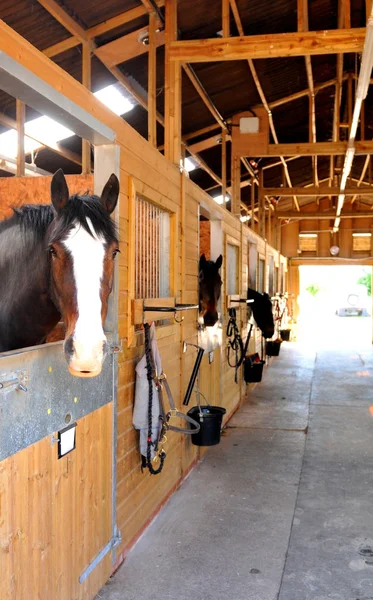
[(110, 193), (219, 262), (59, 191), (202, 261)]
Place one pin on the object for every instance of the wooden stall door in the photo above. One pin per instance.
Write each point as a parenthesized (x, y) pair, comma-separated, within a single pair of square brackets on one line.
[(55, 515)]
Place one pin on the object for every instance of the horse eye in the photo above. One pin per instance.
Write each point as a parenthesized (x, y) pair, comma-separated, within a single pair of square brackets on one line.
[(116, 251), (52, 251)]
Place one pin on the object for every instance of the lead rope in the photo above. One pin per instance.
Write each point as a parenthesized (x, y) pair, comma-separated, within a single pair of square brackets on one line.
[(150, 378)]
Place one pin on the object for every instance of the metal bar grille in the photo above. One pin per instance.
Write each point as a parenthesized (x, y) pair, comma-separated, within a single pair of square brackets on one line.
[(152, 273)]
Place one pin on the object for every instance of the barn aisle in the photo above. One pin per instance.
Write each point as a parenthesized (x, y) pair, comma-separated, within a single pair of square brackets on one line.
[(283, 508)]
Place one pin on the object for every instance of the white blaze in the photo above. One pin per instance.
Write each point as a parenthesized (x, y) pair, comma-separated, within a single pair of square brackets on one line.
[(87, 254)]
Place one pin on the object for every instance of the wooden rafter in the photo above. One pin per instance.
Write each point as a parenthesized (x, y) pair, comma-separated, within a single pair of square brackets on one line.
[(321, 215), (128, 46), (261, 94), (315, 191), (360, 181), (101, 28), (303, 25), (204, 96), (269, 45)]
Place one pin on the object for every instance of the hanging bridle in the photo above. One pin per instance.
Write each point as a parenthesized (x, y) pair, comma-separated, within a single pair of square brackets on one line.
[(164, 418)]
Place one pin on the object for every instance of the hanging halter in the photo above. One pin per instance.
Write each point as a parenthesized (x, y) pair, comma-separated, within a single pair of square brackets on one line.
[(161, 382)]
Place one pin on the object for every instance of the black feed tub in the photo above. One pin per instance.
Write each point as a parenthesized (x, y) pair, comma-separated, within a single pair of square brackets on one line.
[(273, 348), (253, 371), (285, 334), (210, 422)]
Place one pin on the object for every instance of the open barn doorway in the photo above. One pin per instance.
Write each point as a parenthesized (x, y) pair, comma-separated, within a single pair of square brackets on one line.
[(335, 305)]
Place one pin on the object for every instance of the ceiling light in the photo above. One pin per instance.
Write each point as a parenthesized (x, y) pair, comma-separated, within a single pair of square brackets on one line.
[(308, 235), (113, 99), (361, 235), (219, 199), (245, 218), (189, 165)]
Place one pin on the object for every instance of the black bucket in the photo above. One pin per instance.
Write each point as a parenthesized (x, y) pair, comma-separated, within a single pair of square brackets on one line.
[(210, 423), (253, 371), (273, 348), (285, 334)]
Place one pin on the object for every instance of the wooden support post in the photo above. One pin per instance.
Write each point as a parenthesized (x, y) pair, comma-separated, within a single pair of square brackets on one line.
[(252, 221), (236, 189), (172, 89), (152, 81), (225, 19), (261, 206), (362, 121), (223, 163), (86, 80), (20, 108)]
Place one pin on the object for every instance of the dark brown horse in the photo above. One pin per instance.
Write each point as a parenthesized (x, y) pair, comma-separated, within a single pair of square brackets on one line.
[(57, 261), (209, 289), (262, 312)]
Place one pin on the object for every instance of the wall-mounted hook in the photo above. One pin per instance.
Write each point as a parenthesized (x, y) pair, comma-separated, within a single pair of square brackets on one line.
[(178, 320)]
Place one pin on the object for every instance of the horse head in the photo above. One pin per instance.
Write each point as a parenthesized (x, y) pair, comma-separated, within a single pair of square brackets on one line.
[(82, 242), (262, 311), (209, 289)]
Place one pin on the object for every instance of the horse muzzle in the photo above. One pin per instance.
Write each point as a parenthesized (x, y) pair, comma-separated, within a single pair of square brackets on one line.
[(85, 360), (210, 319)]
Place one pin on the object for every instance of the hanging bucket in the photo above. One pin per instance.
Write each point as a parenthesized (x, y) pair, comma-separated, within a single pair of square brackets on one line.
[(253, 371), (210, 424), (285, 334), (273, 348)]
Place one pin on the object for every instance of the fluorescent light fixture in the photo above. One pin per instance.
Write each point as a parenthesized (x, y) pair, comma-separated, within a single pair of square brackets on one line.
[(219, 199), (361, 235), (113, 99), (308, 235), (244, 218), (189, 165), (48, 132)]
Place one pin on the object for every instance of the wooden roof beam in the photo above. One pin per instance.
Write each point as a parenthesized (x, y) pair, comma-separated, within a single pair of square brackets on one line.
[(315, 191), (321, 215), (276, 45), (360, 181), (317, 148), (304, 26), (101, 28), (204, 96)]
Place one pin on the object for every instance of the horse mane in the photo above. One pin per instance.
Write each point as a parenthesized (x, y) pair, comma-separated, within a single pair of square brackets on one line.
[(81, 209), (34, 218)]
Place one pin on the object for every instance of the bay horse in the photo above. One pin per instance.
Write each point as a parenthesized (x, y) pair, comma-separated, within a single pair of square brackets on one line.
[(210, 284), (57, 261)]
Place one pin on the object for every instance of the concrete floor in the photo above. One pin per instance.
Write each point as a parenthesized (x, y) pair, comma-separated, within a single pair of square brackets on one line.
[(282, 509)]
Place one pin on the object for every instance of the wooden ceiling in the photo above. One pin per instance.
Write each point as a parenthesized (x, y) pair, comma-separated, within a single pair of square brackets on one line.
[(113, 28)]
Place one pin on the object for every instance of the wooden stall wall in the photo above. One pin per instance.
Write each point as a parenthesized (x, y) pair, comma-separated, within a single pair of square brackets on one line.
[(144, 171)]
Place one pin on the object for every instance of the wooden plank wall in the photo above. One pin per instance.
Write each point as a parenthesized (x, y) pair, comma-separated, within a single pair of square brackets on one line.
[(55, 515), (143, 170)]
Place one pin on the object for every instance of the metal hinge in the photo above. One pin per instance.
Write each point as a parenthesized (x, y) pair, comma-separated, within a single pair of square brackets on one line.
[(115, 541)]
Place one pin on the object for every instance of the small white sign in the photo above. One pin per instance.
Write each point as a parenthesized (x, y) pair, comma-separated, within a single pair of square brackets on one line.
[(66, 440)]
